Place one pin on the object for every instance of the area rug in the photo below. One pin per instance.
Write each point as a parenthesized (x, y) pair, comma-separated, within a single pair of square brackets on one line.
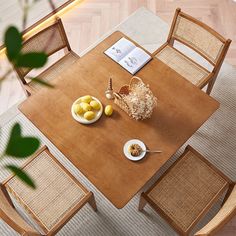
[(216, 140)]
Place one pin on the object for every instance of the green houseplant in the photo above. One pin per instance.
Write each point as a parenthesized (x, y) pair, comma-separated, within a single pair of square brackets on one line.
[(19, 146)]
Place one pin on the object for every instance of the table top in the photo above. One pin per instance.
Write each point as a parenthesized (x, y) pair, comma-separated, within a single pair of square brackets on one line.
[(97, 149)]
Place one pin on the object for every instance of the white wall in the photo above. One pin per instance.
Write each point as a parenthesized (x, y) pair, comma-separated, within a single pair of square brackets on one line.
[(11, 13)]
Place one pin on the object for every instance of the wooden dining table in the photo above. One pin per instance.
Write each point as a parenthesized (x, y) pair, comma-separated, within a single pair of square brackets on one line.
[(97, 149)]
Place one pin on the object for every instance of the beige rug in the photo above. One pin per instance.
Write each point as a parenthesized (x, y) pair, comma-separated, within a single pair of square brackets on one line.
[(216, 140)]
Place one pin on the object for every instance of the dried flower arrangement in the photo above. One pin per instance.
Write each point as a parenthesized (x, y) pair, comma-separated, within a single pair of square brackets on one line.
[(136, 99)]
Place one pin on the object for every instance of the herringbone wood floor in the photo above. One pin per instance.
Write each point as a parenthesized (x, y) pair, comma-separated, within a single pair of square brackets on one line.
[(96, 17), (92, 18)]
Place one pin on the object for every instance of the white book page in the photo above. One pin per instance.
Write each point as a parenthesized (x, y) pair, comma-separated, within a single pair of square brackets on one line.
[(120, 49), (135, 60)]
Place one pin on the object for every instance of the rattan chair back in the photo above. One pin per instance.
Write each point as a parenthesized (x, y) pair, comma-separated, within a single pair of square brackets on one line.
[(50, 40), (224, 215), (198, 36)]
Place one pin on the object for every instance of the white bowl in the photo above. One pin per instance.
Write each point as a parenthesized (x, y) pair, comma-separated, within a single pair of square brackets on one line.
[(80, 118), (128, 154)]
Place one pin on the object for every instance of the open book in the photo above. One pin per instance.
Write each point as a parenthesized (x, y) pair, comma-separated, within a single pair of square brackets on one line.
[(129, 56)]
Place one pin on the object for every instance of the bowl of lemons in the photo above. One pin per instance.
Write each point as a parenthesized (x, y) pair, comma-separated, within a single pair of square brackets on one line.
[(86, 109)]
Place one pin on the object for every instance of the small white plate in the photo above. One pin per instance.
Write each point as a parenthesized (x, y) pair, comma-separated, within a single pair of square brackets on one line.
[(128, 154), (81, 119)]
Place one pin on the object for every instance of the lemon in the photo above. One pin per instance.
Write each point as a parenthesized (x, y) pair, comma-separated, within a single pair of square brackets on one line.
[(85, 106), (108, 110), (95, 105), (78, 109), (89, 115), (86, 99)]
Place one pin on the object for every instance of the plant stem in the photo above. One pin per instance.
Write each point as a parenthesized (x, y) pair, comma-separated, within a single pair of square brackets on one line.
[(52, 5), (25, 14)]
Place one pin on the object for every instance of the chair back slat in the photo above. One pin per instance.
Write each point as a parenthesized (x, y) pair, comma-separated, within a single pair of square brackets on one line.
[(12, 218), (225, 214), (199, 37), (49, 40)]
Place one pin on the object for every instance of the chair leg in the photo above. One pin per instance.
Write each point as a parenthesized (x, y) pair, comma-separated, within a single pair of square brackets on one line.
[(142, 202), (210, 86), (92, 202), (28, 93)]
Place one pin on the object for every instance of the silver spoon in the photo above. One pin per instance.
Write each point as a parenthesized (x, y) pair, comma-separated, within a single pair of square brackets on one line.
[(156, 151)]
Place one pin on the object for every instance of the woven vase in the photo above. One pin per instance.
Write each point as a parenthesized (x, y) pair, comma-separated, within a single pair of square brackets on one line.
[(127, 95)]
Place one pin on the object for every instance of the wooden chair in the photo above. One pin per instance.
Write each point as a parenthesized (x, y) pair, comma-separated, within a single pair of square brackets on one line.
[(202, 39), (57, 198), (186, 192), (225, 214), (50, 40)]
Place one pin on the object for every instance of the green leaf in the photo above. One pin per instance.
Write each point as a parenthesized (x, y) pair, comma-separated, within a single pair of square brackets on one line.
[(43, 82), (16, 130), (21, 147), (31, 60), (21, 175), (13, 42)]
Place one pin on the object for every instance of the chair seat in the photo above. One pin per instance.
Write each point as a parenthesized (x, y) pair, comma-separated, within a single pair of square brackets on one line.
[(56, 193), (183, 65), (55, 70), (186, 190)]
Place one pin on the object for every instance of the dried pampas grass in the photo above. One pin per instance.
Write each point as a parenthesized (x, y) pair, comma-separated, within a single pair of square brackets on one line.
[(139, 101)]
